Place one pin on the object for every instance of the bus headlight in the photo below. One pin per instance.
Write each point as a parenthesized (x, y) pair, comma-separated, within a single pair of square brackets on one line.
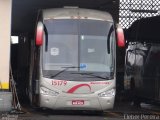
[(108, 93), (46, 91)]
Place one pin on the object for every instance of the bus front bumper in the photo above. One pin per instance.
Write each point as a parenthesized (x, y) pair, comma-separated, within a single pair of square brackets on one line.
[(76, 102)]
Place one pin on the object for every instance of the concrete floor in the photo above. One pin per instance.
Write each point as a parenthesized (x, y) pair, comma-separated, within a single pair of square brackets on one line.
[(121, 111)]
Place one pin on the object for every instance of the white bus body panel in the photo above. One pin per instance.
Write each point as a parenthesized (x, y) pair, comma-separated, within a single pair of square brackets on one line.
[(84, 94), (71, 13)]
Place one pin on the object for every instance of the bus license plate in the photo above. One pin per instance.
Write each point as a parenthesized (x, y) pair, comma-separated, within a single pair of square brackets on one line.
[(77, 102)]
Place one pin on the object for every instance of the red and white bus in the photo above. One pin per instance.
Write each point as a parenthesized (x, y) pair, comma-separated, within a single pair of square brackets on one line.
[(74, 59)]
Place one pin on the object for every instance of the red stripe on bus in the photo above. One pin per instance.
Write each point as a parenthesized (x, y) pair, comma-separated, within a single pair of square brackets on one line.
[(76, 87)]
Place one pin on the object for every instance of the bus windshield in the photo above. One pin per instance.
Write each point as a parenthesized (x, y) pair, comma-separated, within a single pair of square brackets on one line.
[(80, 44)]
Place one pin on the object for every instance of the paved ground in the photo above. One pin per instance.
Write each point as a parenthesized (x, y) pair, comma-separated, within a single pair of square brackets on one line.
[(121, 111)]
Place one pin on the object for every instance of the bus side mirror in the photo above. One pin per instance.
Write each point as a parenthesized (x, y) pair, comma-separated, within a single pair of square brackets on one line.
[(39, 34), (120, 36)]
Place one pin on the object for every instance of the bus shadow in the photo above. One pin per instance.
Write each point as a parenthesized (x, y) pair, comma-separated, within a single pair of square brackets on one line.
[(48, 112)]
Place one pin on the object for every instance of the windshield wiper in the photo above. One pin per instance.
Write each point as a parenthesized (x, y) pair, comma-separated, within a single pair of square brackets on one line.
[(46, 38), (108, 38), (96, 76), (65, 69)]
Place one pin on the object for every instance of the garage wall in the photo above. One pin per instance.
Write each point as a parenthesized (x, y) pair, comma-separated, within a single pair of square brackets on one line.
[(5, 32)]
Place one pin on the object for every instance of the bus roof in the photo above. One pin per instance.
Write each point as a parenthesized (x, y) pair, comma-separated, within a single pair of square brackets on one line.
[(68, 13)]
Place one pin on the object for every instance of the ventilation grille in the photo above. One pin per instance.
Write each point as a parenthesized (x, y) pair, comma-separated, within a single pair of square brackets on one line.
[(131, 10)]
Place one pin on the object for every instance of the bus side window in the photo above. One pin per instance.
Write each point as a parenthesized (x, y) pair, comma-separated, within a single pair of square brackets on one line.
[(130, 60), (130, 57), (139, 58)]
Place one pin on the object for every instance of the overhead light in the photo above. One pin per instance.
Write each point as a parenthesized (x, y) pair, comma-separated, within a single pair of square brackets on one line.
[(14, 40)]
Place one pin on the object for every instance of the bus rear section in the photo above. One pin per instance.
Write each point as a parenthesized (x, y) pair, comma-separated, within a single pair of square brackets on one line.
[(142, 73), (77, 55)]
